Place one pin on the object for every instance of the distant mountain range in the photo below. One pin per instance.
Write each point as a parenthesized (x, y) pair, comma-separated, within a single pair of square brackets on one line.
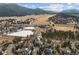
[(70, 11), (16, 10)]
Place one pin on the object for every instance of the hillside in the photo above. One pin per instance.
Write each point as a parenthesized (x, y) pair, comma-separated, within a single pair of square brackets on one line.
[(16, 10), (64, 18)]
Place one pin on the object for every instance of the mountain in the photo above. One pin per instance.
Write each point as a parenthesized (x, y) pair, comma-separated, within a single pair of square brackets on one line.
[(16, 10), (70, 11)]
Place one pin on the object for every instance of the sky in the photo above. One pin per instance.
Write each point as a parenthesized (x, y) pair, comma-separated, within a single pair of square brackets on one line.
[(56, 7)]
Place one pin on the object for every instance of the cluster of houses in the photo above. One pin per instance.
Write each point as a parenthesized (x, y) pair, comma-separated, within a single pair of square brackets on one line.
[(13, 25)]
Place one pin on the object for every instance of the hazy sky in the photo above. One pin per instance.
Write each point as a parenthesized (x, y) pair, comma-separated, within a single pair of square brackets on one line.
[(51, 6)]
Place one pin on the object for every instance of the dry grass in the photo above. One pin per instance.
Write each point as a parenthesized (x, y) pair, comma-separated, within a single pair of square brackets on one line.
[(40, 20), (64, 27), (4, 37)]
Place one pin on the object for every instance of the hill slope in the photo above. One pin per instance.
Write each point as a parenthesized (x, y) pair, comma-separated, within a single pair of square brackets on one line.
[(16, 10), (64, 18)]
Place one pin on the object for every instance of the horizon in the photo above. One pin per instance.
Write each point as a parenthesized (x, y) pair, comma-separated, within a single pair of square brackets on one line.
[(56, 7)]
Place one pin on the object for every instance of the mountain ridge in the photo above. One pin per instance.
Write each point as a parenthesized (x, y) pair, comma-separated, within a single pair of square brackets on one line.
[(70, 11), (16, 10)]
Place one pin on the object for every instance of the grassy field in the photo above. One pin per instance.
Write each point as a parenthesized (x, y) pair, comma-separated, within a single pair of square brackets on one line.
[(40, 20), (4, 37), (43, 20)]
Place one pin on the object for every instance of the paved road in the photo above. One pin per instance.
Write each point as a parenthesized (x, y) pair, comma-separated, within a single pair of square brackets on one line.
[(35, 50), (9, 49)]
